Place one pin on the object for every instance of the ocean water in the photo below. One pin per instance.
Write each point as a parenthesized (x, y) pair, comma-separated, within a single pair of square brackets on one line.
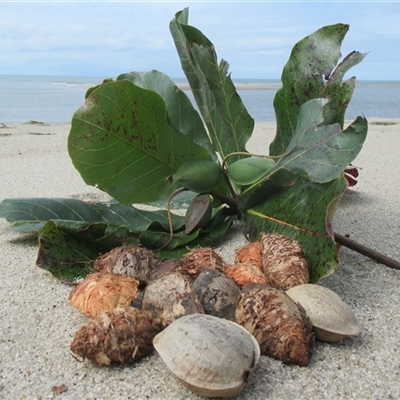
[(54, 99)]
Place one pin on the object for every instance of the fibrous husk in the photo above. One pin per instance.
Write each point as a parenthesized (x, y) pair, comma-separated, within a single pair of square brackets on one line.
[(103, 291), (283, 261), (201, 258), (245, 273), (211, 356), (166, 266), (250, 252), (170, 297), (130, 260), (122, 335), (218, 294), (280, 326)]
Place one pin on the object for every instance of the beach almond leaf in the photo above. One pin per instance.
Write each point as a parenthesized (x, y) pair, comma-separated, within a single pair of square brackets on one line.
[(229, 124), (302, 212), (309, 74), (321, 152), (67, 258), (340, 93), (181, 113), (31, 214), (121, 142)]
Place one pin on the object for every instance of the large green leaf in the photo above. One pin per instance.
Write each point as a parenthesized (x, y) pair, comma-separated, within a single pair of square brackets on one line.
[(228, 122), (321, 152), (72, 233), (317, 151), (121, 142), (303, 212), (33, 213), (308, 75), (181, 113)]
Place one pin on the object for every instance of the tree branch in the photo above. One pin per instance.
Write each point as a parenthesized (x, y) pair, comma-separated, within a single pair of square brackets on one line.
[(366, 251)]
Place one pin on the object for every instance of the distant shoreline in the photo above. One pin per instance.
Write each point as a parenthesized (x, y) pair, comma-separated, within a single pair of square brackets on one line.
[(240, 86), (186, 86)]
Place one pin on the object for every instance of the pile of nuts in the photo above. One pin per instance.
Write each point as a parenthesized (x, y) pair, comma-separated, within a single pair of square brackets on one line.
[(132, 296)]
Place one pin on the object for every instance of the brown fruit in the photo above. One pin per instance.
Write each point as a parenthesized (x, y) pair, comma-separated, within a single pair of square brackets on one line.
[(102, 291), (170, 297), (201, 258), (218, 294), (284, 262), (250, 252), (280, 326), (199, 213), (130, 260), (122, 335), (245, 273), (170, 265)]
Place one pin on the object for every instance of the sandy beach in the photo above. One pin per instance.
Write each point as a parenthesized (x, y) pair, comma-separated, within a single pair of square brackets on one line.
[(38, 324)]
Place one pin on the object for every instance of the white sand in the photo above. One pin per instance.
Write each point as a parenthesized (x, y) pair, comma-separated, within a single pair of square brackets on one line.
[(38, 324)]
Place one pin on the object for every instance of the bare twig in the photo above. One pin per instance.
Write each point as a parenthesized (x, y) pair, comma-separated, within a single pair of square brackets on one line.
[(366, 251)]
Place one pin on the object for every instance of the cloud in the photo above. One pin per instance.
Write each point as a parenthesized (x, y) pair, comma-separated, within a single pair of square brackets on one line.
[(104, 38)]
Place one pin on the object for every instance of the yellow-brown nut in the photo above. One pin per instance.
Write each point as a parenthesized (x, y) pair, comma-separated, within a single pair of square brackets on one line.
[(283, 261), (245, 273), (250, 252), (100, 292), (280, 326), (130, 260), (122, 335), (199, 259)]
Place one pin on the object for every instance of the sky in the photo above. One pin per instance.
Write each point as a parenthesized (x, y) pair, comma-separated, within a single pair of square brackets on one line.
[(105, 39)]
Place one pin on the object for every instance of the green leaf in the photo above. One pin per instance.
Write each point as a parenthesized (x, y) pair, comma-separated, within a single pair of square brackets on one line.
[(72, 233), (308, 75), (67, 258), (340, 93), (34, 213), (209, 237), (227, 120), (303, 212), (181, 113), (121, 142), (321, 152)]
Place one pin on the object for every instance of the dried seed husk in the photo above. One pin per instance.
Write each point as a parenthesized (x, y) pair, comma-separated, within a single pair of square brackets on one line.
[(245, 273), (218, 294), (170, 297), (103, 291), (122, 335), (331, 317), (280, 326), (211, 356), (130, 260), (198, 214), (171, 265), (250, 252), (201, 258), (283, 261)]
